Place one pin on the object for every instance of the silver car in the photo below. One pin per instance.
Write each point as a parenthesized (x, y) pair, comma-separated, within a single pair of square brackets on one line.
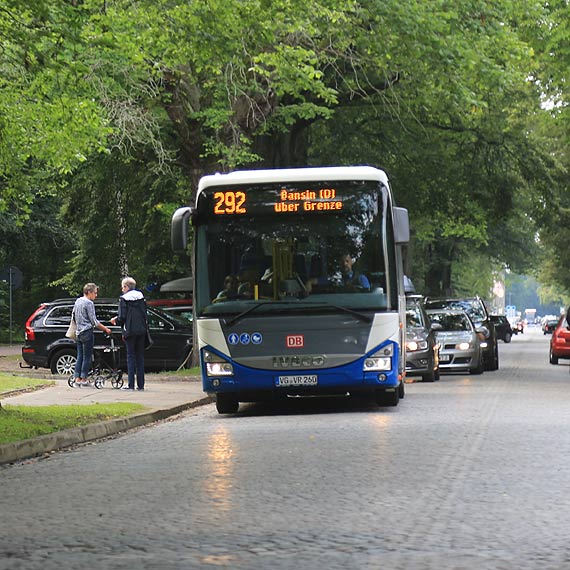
[(459, 340)]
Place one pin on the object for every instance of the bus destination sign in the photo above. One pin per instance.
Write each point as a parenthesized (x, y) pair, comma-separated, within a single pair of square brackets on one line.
[(230, 202)]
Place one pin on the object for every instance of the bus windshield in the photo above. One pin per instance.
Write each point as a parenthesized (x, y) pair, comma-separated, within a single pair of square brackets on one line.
[(286, 248)]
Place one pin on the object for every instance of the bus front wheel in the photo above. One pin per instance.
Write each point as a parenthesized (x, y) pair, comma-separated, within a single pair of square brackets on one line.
[(226, 403), (385, 398)]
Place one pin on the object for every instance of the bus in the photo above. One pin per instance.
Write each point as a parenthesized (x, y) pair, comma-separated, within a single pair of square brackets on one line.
[(298, 285)]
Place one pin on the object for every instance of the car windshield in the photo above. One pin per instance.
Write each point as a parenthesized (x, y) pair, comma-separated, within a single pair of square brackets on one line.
[(414, 316), (473, 307), (451, 321), (283, 261)]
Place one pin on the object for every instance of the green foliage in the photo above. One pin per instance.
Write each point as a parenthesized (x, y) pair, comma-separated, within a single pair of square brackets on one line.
[(111, 112), (473, 274), (121, 215), (525, 292)]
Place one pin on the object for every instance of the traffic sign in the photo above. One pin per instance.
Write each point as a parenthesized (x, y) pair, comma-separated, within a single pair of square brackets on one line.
[(13, 276)]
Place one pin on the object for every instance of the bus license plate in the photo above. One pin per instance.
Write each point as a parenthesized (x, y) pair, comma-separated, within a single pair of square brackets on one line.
[(299, 380)]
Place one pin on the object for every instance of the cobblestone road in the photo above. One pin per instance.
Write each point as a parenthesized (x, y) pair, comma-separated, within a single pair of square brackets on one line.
[(472, 472)]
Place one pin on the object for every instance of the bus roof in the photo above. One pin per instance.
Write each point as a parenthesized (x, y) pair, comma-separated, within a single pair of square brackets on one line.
[(294, 175)]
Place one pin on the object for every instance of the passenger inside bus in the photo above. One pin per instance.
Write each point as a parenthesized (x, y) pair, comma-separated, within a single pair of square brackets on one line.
[(250, 285), (230, 290)]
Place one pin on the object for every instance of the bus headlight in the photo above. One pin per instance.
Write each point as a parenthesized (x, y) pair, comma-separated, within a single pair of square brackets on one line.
[(381, 360), (216, 365)]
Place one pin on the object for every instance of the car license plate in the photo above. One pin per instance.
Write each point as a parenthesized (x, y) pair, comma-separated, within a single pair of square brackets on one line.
[(444, 358), (299, 380)]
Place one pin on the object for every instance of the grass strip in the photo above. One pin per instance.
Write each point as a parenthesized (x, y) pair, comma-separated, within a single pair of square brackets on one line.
[(9, 382), (23, 422)]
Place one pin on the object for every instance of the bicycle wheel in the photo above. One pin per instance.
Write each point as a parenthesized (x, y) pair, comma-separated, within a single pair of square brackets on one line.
[(71, 381)]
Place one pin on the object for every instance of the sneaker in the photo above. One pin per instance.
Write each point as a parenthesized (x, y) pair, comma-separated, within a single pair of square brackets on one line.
[(127, 388), (140, 389), (83, 383)]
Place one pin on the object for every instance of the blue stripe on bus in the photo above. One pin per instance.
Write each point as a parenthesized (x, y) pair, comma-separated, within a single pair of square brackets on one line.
[(346, 376)]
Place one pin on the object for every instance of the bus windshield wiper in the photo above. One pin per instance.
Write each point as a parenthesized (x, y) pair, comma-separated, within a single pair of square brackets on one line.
[(360, 316), (254, 307)]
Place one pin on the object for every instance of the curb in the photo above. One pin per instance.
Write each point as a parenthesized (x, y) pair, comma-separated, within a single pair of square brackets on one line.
[(19, 391), (16, 451)]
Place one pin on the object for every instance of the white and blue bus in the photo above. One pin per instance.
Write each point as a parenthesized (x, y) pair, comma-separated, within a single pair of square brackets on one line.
[(298, 287)]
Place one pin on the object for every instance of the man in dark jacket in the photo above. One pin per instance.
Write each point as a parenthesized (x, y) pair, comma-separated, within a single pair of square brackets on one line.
[(132, 318)]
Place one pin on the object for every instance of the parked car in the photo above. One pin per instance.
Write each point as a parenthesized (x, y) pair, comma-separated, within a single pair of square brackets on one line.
[(459, 341), (560, 341), (549, 326), (479, 314), (518, 326), (422, 348), (46, 345), (502, 327), (179, 307)]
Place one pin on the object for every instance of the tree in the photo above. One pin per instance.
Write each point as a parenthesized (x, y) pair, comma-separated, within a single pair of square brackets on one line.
[(443, 95)]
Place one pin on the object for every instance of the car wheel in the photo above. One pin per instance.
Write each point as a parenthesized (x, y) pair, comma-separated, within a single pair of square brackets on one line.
[(226, 403), (481, 367), (491, 362), (507, 338), (385, 398), (429, 377), (63, 362), (553, 359), (495, 362)]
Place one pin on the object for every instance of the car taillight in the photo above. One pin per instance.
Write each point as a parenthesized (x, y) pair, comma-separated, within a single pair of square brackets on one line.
[(29, 333)]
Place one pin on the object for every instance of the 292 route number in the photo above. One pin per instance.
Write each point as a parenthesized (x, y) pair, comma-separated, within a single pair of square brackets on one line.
[(229, 202)]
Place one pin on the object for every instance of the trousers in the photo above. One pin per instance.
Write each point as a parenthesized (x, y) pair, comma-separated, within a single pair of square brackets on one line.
[(135, 359), (85, 342)]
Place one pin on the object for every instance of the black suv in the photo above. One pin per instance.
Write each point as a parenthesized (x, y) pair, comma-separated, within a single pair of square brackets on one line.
[(46, 345), (477, 310), (503, 327)]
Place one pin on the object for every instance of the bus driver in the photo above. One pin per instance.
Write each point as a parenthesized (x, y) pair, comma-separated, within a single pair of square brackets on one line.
[(346, 277)]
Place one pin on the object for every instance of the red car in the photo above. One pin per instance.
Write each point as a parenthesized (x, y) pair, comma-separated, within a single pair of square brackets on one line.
[(560, 341)]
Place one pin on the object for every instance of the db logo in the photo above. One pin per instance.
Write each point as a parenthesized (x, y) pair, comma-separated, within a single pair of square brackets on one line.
[(295, 341)]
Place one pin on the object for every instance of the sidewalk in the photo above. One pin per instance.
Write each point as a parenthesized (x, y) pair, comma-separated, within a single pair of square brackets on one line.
[(163, 398)]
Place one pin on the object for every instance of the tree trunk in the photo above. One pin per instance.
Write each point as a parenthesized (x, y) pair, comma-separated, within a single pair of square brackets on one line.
[(121, 231), (283, 150)]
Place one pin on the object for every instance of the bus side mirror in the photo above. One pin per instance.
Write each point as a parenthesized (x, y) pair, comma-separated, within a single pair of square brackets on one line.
[(179, 229), (401, 226)]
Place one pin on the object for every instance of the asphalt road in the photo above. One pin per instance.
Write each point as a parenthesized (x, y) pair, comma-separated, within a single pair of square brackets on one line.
[(471, 472)]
